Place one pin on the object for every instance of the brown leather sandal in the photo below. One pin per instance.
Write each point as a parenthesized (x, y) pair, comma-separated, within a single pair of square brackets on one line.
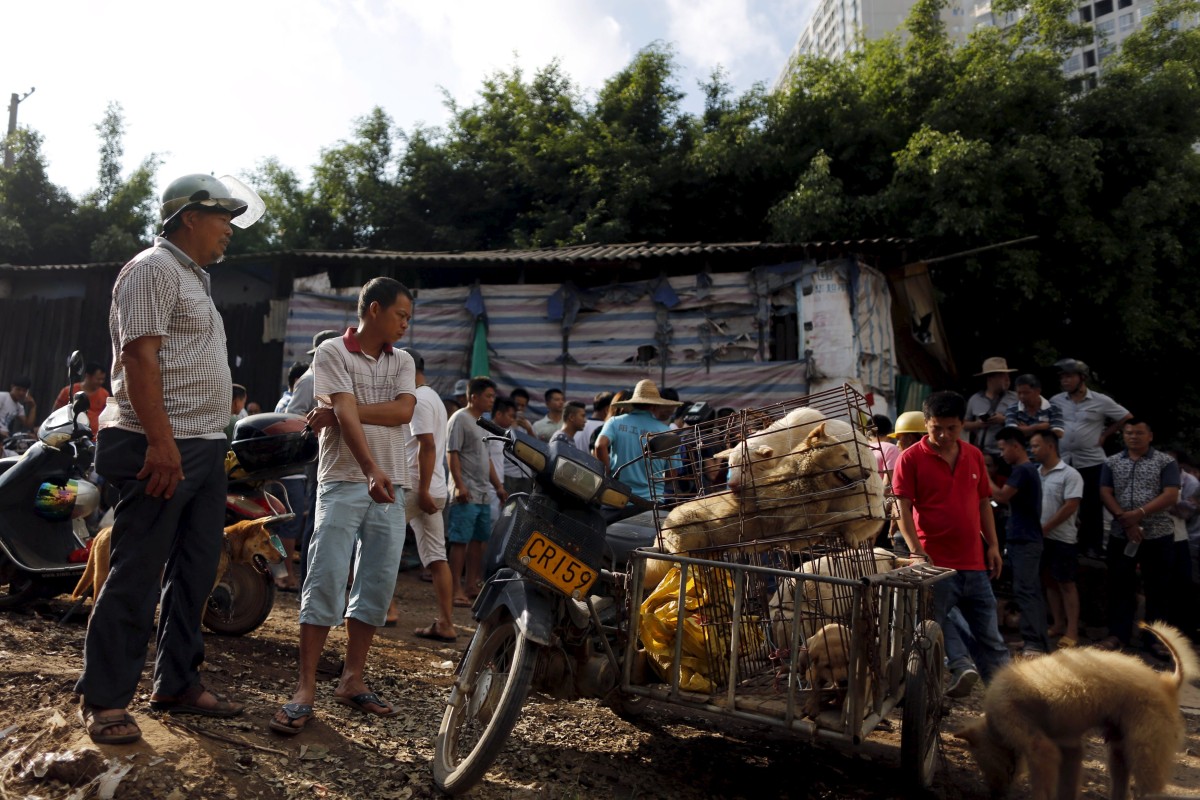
[(187, 703), (96, 725)]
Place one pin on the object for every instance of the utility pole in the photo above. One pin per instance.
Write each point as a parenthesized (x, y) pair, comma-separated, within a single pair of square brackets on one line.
[(13, 102)]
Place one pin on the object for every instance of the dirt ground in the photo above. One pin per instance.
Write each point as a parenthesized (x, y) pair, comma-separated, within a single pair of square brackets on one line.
[(559, 750)]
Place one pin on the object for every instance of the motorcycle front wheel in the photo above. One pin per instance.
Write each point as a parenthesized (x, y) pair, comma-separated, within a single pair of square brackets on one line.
[(484, 704)]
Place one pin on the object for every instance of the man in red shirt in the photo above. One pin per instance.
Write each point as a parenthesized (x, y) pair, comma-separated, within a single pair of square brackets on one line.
[(94, 376), (945, 504)]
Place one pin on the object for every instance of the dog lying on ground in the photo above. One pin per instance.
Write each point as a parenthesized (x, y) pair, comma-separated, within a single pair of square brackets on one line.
[(828, 664), (1036, 711), (790, 493), (244, 540)]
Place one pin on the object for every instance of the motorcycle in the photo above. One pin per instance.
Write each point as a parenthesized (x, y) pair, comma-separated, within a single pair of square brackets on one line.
[(553, 575), (44, 499), (265, 448)]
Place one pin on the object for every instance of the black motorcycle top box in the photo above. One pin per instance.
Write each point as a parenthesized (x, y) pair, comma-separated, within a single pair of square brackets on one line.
[(273, 442)]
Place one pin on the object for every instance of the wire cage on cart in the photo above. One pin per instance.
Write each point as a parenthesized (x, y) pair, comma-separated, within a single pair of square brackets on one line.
[(767, 600)]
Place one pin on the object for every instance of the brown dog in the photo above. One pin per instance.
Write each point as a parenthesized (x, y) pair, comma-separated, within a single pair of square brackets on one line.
[(1038, 710), (828, 664), (243, 541)]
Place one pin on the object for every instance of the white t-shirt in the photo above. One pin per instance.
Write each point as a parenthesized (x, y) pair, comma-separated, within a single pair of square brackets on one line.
[(9, 408), (429, 416), (584, 437)]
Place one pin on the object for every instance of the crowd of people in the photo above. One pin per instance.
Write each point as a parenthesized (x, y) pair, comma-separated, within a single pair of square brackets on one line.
[(1013, 481), (1001, 482)]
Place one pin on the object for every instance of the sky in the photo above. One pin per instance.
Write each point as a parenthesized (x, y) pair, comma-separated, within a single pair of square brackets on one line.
[(218, 87)]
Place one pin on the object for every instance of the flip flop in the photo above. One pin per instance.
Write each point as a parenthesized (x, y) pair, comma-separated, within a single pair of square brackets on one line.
[(461, 603), (432, 634), (96, 727), (186, 704), (1066, 641), (294, 711), (360, 701)]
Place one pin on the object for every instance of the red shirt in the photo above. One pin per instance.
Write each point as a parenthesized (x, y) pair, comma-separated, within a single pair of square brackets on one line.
[(945, 502), (97, 400)]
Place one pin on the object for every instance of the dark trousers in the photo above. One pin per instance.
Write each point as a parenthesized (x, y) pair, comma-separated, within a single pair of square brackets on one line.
[(159, 548), (1155, 557), (1091, 512), (310, 520)]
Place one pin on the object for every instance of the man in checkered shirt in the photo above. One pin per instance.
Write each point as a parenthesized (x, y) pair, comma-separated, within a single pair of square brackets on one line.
[(366, 390), (166, 458)]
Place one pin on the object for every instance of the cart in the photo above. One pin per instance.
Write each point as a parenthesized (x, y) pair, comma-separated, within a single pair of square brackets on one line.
[(780, 612)]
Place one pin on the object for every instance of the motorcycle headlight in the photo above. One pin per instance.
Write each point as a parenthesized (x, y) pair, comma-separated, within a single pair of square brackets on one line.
[(576, 479)]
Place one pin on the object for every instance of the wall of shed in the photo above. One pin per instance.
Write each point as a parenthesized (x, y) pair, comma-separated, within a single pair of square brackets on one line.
[(716, 335)]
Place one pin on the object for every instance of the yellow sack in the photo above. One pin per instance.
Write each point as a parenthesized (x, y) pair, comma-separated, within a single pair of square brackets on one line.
[(659, 625)]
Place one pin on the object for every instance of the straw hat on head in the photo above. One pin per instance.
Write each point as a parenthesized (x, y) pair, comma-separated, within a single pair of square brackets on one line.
[(993, 365), (646, 394)]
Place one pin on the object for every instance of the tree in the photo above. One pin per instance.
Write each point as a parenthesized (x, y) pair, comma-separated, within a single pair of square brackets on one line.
[(37, 226)]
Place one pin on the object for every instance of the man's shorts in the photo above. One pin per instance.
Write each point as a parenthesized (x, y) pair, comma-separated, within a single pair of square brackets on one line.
[(470, 522), (429, 529), (348, 520), (1060, 560)]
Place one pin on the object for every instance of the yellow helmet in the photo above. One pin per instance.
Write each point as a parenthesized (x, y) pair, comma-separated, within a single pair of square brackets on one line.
[(909, 422)]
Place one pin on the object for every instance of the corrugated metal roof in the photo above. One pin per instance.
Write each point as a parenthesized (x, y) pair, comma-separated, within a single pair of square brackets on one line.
[(582, 253)]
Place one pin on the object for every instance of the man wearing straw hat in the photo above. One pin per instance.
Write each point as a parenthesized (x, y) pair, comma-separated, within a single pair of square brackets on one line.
[(620, 439), (986, 409)]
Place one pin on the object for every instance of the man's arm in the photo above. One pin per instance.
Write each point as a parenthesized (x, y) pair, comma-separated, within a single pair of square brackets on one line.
[(390, 414), (379, 484), (497, 484), (995, 561), (29, 418), (426, 464), (1003, 493), (163, 467), (461, 493), (602, 451), (1111, 429), (1069, 507), (908, 529)]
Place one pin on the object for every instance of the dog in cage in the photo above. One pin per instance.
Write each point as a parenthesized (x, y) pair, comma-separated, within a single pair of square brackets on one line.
[(828, 665), (790, 495), (853, 509), (820, 601)]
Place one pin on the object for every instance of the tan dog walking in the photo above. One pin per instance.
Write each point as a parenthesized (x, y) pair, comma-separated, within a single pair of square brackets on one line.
[(1037, 710)]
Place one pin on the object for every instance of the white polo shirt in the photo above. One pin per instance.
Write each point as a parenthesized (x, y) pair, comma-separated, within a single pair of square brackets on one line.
[(1059, 485)]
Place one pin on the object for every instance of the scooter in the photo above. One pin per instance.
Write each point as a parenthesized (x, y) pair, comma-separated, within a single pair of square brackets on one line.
[(265, 447), (553, 575), (44, 499)]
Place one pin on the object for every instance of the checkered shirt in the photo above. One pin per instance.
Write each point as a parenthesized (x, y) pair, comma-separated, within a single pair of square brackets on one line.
[(337, 369), (162, 292)]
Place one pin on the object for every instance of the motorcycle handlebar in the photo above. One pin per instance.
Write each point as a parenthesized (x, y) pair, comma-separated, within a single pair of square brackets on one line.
[(491, 427)]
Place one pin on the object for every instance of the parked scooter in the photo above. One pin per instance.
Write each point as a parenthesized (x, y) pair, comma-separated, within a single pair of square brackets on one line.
[(266, 447), (44, 498), (554, 571)]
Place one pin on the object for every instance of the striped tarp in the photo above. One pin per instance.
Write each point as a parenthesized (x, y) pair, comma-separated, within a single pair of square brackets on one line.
[(711, 334)]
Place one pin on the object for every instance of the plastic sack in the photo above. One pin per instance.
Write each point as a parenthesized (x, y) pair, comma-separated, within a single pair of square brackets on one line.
[(659, 624)]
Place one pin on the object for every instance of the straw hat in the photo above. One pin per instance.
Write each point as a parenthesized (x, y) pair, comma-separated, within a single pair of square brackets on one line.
[(993, 365), (646, 393)]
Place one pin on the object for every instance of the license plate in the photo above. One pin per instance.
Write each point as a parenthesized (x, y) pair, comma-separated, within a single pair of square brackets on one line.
[(556, 564)]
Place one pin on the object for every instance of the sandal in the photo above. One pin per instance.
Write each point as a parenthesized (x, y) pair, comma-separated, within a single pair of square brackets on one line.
[(1066, 641), (187, 703), (95, 725), (360, 702), (293, 711)]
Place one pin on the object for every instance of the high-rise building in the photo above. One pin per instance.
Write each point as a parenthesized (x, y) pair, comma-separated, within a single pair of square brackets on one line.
[(833, 29)]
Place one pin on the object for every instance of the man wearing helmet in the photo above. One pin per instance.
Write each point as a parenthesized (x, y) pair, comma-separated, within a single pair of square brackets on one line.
[(1089, 419), (165, 457)]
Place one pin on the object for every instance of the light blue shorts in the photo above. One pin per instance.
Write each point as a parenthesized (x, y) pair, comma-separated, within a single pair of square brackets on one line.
[(350, 525), (470, 522)]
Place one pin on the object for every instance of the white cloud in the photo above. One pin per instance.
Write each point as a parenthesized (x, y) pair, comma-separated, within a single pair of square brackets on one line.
[(749, 38)]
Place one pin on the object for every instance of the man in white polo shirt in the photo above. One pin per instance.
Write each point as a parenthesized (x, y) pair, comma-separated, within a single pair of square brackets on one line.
[(1062, 489)]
